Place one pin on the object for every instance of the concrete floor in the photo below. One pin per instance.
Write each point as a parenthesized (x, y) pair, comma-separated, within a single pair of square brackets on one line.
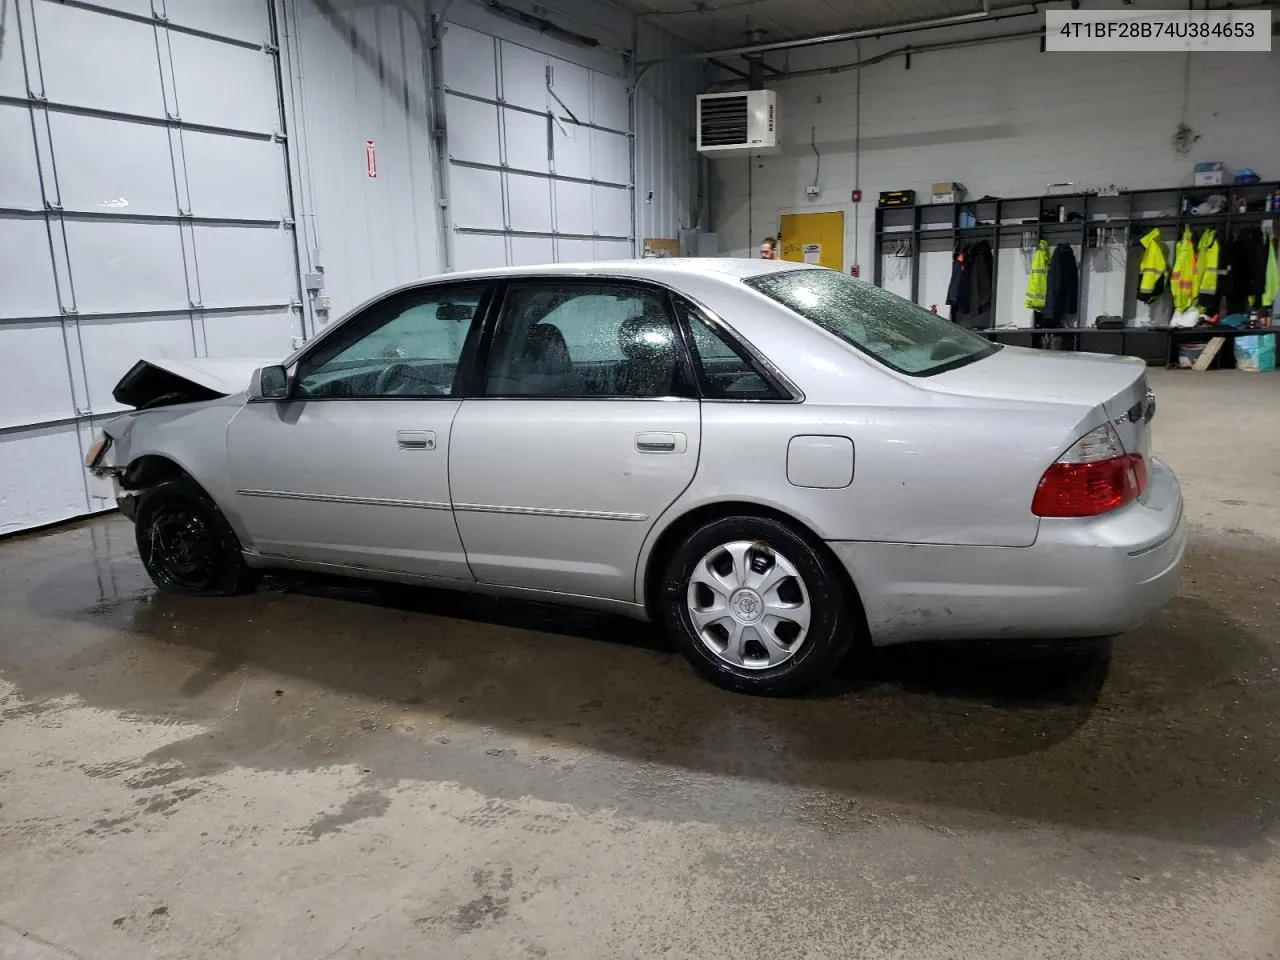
[(323, 770)]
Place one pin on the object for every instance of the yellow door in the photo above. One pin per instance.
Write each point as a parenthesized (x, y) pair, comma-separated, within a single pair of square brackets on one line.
[(814, 238)]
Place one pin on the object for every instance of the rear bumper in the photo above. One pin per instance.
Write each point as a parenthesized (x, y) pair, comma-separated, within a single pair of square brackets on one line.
[(1081, 578)]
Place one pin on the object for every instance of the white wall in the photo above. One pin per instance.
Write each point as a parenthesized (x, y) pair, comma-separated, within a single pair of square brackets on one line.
[(1003, 119)]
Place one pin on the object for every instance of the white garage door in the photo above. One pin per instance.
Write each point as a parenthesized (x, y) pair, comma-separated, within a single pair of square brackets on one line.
[(144, 208), (539, 156)]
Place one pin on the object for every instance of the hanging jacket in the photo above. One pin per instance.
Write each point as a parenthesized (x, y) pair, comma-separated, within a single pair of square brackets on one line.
[(1271, 283), (1243, 277), (1206, 281), (959, 274), (1184, 272), (972, 268), (1062, 292), (1038, 277), (1155, 268), (982, 274)]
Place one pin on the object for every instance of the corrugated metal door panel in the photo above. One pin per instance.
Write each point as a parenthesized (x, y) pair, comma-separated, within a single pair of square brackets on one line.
[(477, 198), (221, 85), (472, 251), (571, 84), (108, 165), (610, 158), (41, 476), (19, 175), (120, 266), (523, 76), (612, 208), (239, 19), (526, 141), (563, 156), (111, 345), (574, 251), (253, 334), (614, 250), (26, 273), (572, 150), (104, 266), (573, 208), (609, 102), (532, 251), (140, 8), (473, 130), (243, 266), (470, 62), (103, 62), (235, 177), (35, 387), (530, 204)]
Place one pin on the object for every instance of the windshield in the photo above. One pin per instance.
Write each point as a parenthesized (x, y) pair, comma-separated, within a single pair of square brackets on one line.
[(900, 334)]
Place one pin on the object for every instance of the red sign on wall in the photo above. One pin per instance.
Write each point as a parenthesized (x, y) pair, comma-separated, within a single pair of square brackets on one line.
[(371, 159)]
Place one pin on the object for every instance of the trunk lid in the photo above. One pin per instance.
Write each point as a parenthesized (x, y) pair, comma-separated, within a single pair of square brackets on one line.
[(162, 381), (1116, 386)]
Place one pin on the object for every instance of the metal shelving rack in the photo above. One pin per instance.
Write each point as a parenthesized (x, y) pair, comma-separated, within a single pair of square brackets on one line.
[(1135, 211)]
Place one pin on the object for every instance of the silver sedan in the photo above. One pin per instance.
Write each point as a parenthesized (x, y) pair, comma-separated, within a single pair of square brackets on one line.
[(771, 460)]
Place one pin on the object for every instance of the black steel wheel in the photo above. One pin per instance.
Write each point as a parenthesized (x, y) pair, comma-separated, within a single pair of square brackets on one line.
[(186, 543)]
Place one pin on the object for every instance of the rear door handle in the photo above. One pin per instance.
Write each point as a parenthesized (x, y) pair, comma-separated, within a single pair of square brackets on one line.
[(661, 442), (416, 439)]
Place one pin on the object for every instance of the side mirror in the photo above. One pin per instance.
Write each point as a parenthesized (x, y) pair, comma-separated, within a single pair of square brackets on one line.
[(269, 383)]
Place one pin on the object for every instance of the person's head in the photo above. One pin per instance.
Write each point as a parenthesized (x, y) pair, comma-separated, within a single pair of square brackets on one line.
[(769, 248)]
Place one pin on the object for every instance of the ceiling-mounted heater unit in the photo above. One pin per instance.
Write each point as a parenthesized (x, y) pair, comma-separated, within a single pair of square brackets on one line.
[(734, 124)]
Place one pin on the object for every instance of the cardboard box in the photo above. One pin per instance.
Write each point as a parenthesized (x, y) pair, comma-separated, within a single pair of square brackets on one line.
[(948, 192), (1211, 173), (660, 247)]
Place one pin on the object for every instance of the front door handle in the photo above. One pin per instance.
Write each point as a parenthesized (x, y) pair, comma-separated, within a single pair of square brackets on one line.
[(416, 439), (661, 442)]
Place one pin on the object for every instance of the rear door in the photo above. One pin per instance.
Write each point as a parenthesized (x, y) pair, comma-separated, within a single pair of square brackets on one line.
[(352, 469), (583, 429)]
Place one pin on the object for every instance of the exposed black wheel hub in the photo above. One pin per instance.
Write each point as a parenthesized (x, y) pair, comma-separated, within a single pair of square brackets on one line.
[(183, 548)]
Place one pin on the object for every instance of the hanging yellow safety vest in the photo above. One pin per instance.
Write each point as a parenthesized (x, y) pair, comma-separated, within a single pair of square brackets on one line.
[(1038, 278), (1184, 272), (1272, 283), (1155, 268), (1206, 286)]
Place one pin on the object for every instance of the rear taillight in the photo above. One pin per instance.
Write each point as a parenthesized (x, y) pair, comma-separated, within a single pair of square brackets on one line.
[(1094, 476)]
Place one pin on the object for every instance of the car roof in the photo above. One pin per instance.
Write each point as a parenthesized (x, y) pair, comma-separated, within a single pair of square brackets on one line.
[(667, 270), (649, 268)]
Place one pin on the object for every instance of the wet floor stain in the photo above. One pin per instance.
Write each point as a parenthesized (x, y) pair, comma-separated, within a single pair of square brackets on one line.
[(1168, 732), (359, 806)]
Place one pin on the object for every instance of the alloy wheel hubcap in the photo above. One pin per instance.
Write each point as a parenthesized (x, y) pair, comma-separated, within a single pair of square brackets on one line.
[(749, 605)]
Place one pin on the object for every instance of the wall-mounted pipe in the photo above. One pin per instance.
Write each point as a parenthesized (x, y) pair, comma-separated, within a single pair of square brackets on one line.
[(866, 33), (913, 49)]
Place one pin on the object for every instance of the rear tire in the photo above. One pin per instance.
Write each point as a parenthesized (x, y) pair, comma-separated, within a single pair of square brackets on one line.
[(756, 607), (186, 543)]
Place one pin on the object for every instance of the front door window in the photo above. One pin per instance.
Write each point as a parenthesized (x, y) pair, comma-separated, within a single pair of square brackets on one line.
[(406, 347)]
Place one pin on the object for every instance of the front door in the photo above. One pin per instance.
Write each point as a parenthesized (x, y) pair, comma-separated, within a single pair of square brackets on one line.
[(353, 469), (585, 430), (813, 238)]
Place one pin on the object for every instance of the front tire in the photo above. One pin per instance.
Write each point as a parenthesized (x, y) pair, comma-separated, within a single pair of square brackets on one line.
[(186, 544), (756, 607)]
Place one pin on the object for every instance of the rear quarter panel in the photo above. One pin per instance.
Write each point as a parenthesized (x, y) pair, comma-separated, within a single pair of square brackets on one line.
[(936, 471)]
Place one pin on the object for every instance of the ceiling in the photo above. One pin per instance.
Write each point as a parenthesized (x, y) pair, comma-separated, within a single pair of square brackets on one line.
[(722, 23)]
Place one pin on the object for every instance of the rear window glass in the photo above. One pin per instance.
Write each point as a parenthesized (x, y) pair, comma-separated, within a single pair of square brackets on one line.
[(900, 334)]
